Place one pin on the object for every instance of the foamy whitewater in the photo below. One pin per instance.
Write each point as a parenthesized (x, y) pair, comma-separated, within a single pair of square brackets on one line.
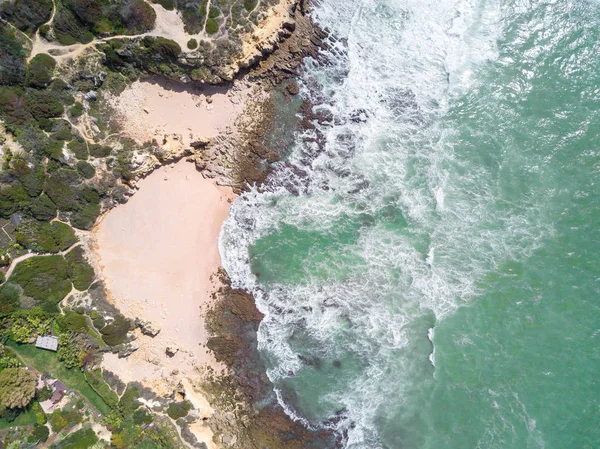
[(429, 273)]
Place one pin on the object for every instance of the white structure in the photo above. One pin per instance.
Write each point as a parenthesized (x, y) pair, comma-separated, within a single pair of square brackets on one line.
[(49, 342)]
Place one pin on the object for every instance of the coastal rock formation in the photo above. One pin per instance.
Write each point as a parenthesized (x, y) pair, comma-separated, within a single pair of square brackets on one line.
[(147, 327)]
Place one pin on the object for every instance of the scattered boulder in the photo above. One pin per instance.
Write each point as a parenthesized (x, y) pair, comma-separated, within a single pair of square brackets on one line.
[(92, 95), (293, 88), (147, 328), (200, 142), (127, 349), (171, 351)]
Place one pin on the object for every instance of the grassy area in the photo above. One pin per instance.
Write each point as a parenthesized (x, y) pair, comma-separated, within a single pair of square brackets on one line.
[(23, 419), (47, 362)]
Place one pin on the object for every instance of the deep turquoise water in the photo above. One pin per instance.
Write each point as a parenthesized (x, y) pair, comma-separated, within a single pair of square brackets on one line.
[(436, 283)]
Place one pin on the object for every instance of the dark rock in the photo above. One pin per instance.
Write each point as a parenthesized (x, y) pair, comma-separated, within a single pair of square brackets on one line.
[(293, 88)]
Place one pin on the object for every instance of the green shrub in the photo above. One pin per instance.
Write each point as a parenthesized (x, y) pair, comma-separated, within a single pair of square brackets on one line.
[(44, 30), (169, 5), (91, 195), (42, 208), (178, 410), (94, 378), (212, 26), (79, 149), (86, 217), (129, 401), (43, 237), (86, 170), (214, 12), (115, 333), (40, 70), (192, 44), (12, 69), (80, 271), (39, 434), (44, 104), (138, 16), (9, 298), (250, 4), (59, 187), (99, 150), (26, 15), (74, 321), (165, 47), (44, 278), (76, 110), (2, 277)]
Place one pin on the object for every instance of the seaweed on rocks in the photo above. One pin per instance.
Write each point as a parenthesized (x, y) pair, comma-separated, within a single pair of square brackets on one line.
[(253, 419)]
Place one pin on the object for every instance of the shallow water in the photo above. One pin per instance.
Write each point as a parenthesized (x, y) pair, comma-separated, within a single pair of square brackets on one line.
[(434, 283)]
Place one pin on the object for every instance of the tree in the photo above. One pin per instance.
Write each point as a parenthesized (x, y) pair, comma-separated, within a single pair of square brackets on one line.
[(17, 387)]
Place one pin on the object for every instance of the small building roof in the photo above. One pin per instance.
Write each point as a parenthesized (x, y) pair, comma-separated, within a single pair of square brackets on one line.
[(49, 342), (57, 397), (59, 386)]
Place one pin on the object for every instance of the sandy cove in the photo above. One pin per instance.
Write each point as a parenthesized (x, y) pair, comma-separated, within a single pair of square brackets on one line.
[(157, 254)]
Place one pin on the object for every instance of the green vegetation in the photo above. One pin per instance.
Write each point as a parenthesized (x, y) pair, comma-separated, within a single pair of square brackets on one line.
[(86, 170), (76, 110), (86, 217), (17, 387), (47, 362), (12, 69), (212, 26), (192, 44), (169, 5), (26, 15), (250, 4), (115, 333), (44, 278), (82, 439), (97, 382), (74, 321), (9, 298), (25, 324), (43, 208), (40, 70), (178, 410), (43, 237), (25, 417), (39, 434)]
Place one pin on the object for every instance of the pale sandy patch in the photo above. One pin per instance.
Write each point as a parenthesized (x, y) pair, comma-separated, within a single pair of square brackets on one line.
[(148, 110), (157, 253)]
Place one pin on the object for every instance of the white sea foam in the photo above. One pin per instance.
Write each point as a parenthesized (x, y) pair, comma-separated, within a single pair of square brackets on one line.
[(401, 62)]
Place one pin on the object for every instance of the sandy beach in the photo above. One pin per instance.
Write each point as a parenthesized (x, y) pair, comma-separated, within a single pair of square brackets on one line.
[(157, 254), (148, 111)]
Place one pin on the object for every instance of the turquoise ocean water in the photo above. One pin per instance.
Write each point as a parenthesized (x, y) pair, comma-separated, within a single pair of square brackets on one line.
[(430, 275)]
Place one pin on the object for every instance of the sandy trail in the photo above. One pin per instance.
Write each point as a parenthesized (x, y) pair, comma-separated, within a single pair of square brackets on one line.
[(157, 253)]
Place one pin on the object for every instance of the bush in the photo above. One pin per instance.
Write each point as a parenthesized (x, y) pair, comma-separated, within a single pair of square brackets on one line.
[(192, 44), (178, 410), (76, 110), (12, 69), (9, 298), (74, 321), (44, 278), (86, 170), (42, 208), (26, 15), (211, 26), (40, 70), (80, 271), (86, 217), (99, 150), (43, 237), (165, 47), (169, 5), (138, 16), (214, 12), (39, 434), (79, 149), (115, 333)]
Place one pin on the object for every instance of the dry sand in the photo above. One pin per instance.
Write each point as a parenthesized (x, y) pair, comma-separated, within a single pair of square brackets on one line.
[(149, 111), (157, 253)]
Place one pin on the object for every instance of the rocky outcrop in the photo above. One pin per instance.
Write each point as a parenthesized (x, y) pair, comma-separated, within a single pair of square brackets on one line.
[(147, 328)]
